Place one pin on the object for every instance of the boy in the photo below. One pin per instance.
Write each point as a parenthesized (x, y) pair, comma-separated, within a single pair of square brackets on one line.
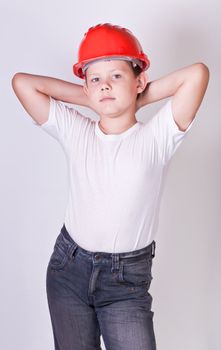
[(99, 273)]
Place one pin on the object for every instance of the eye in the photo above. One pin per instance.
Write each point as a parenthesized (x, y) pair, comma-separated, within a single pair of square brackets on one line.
[(94, 80), (117, 76)]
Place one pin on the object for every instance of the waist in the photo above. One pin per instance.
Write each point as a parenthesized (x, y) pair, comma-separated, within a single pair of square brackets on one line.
[(148, 250)]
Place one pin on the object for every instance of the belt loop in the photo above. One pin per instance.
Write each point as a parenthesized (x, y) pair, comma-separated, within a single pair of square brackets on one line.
[(153, 249), (73, 249), (115, 262)]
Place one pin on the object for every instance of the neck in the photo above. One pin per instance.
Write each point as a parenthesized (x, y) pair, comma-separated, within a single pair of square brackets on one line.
[(115, 126)]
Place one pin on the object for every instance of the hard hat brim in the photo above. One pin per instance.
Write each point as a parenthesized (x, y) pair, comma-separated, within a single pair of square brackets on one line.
[(80, 68)]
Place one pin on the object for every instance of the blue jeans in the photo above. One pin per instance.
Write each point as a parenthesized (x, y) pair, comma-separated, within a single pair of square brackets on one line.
[(98, 293)]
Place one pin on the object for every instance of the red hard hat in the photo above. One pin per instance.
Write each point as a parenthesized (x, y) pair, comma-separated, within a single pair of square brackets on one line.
[(106, 40)]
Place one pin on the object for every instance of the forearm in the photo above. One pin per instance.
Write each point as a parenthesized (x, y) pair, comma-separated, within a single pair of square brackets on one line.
[(57, 88), (167, 85)]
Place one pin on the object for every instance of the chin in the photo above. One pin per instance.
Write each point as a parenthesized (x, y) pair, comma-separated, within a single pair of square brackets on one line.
[(108, 111)]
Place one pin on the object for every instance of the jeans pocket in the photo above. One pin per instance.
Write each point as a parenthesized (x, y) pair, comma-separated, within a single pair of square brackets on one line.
[(63, 252), (137, 273)]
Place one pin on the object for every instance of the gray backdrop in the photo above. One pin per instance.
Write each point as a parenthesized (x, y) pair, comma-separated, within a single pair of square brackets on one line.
[(42, 37)]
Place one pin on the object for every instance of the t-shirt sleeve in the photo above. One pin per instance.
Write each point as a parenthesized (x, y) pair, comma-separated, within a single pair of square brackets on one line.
[(62, 123), (167, 134)]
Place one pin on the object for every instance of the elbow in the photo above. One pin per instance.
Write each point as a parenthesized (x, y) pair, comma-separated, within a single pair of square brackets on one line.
[(201, 72), (203, 69), (17, 80)]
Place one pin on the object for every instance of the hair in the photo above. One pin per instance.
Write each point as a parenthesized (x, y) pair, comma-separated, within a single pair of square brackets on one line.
[(136, 70)]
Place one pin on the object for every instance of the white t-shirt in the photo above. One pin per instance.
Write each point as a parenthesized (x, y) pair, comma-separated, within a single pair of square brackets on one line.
[(115, 180)]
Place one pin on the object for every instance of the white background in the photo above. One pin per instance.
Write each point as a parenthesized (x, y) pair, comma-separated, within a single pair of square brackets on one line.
[(42, 37)]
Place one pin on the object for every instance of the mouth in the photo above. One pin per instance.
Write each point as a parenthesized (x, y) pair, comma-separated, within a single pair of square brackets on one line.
[(107, 99)]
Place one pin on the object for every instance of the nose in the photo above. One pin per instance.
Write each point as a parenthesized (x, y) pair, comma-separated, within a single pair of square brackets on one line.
[(105, 86)]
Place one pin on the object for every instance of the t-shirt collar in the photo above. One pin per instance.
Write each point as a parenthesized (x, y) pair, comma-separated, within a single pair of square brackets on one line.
[(121, 135)]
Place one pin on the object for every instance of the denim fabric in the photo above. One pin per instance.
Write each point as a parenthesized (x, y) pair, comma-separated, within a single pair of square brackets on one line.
[(98, 293)]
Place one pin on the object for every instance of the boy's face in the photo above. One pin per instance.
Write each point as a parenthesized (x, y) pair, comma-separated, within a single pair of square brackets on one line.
[(114, 79)]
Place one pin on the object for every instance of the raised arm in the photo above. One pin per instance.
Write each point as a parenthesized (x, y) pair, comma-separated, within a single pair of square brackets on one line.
[(187, 87), (33, 92)]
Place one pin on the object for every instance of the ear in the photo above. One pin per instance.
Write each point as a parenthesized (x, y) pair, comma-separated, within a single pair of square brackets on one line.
[(142, 81)]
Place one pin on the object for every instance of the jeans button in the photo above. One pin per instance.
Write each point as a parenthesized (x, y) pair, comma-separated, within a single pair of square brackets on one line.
[(97, 256)]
